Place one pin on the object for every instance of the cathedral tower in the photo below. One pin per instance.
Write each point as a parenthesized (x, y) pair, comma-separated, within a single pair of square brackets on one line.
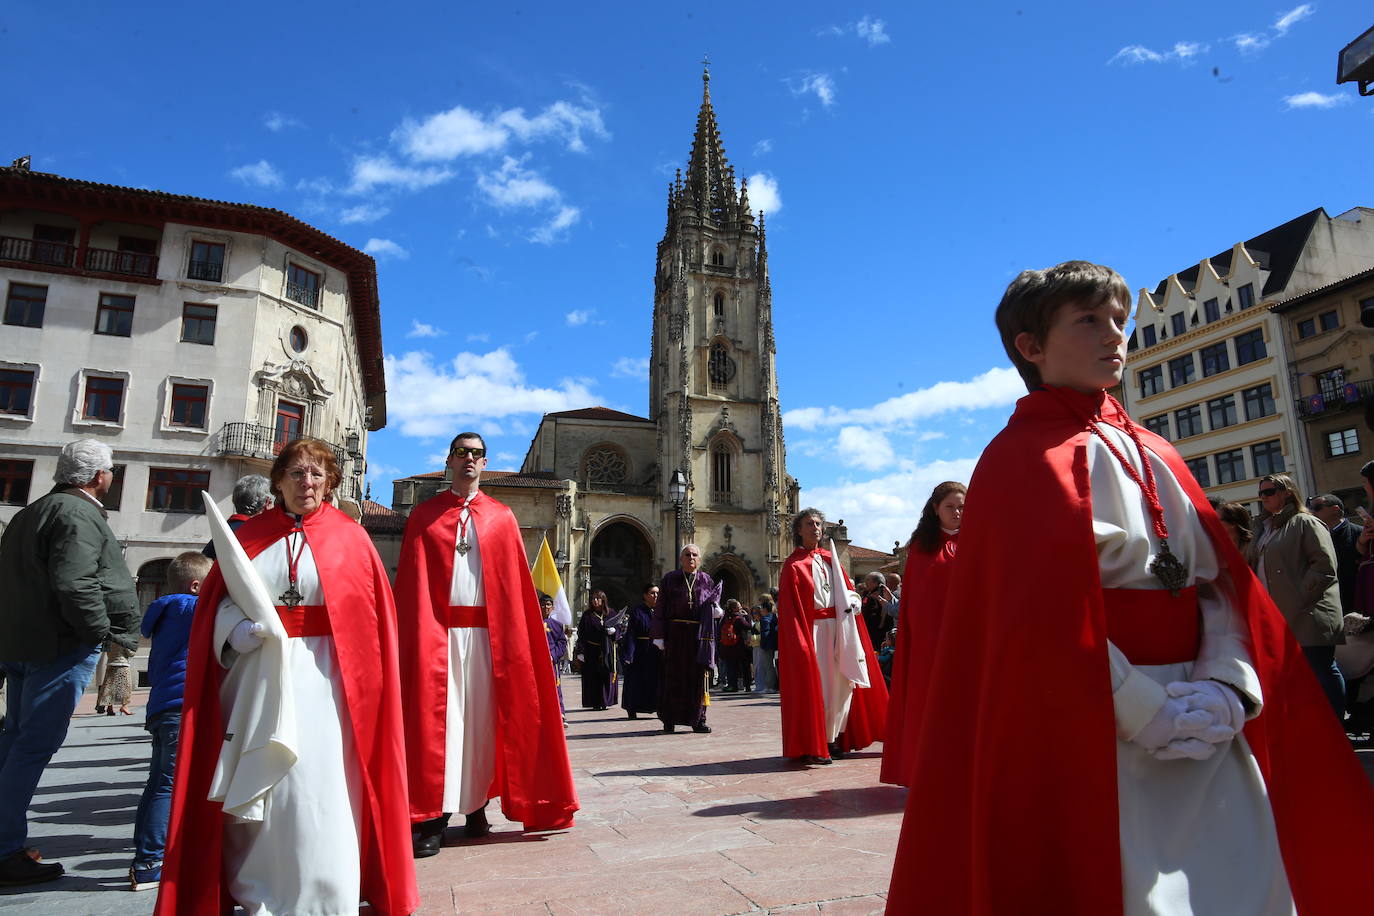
[(713, 390)]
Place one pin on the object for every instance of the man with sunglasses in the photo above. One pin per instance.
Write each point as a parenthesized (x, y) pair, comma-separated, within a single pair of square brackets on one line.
[(482, 715)]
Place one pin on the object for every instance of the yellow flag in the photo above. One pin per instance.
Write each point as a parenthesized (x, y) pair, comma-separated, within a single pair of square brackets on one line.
[(546, 579)]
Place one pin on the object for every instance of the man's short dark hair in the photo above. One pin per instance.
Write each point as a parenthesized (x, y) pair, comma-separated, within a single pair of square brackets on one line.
[(461, 436), (1035, 297), (1326, 500)]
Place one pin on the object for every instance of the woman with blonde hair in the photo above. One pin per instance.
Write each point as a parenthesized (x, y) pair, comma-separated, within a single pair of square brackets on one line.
[(1294, 558)]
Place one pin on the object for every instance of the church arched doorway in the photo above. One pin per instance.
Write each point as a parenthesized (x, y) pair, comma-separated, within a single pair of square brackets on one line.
[(734, 583), (622, 562), (152, 581)]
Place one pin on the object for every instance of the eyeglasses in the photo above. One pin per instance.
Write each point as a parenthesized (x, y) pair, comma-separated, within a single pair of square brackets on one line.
[(462, 451), (1269, 491), (299, 474)]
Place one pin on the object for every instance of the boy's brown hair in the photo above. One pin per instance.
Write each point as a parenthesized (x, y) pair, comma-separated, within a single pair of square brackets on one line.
[(1035, 296), (186, 568)]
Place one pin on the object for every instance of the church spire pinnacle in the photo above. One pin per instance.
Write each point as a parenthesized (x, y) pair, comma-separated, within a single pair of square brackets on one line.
[(710, 185)]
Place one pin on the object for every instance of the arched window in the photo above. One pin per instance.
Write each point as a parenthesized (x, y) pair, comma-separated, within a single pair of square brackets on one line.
[(718, 305), (718, 257), (720, 368), (722, 475), (605, 464)]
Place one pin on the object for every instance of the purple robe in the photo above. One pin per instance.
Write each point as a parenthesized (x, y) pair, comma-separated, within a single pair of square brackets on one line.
[(687, 627), (558, 651), (597, 649), (640, 659)]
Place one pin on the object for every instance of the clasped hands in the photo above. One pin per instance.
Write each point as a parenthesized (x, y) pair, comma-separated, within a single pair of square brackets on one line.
[(1196, 718)]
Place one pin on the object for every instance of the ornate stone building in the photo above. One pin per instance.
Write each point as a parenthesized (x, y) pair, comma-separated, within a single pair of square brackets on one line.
[(598, 481)]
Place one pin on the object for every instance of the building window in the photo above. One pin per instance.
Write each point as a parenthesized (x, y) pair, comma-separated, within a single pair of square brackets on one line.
[(1250, 346), (1216, 358), (115, 495), (115, 316), (15, 476), (718, 258), (1211, 310), (16, 391), (1151, 381), (1188, 421), (1331, 385), (1147, 336), (104, 399), (1267, 457), (1259, 401), (1306, 328), (1158, 425), (722, 489), (1329, 320), (1178, 323), (1221, 412), (1230, 466), (24, 305), (207, 262), (1342, 442), (174, 490), (1246, 296), (1201, 473), (719, 366), (606, 466), (299, 339), (290, 422), (718, 305), (198, 323), (54, 245), (302, 286), (1181, 370), (188, 406)]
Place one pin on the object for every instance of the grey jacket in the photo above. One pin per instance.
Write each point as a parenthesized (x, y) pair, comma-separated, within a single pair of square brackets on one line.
[(1300, 570), (63, 581)]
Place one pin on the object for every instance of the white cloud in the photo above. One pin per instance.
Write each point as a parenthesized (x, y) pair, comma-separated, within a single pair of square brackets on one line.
[(885, 509), (462, 132), (873, 31), (260, 174), (868, 449), (554, 229), (479, 338), (277, 122), (370, 172), (316, 185), (631, 367), (818, 84), (426, 399), (1314, 100), (385, 248), (1293, 17), (763, 147), (764, 194), (363, 213), (1249, 42), (512, 185), (420, 329), (995, 388), (578, 317), (1182, 51)]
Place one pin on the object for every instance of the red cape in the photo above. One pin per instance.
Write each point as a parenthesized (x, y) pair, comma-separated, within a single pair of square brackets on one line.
[(803, 704), (363, 619), (998, 819), (924, 582), (533, 775)]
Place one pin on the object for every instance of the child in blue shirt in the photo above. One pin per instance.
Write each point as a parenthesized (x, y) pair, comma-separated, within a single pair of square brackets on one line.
[(167, 623)]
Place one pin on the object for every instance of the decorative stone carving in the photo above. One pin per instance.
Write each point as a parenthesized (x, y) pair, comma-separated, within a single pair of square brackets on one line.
[(562, 505), (606, 465), (689, 520)]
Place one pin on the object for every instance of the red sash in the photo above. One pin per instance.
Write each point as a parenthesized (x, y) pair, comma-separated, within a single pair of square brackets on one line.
[(1151, 626), (305, 620), (464, 615)]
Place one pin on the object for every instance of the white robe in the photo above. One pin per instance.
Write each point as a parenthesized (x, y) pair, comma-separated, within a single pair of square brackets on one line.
[(302, 858), (470, 716), (837, 690), (1197, 837)]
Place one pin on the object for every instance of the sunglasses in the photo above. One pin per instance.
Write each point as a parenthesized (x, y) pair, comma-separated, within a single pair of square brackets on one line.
[(462, 451), (1269, 491)]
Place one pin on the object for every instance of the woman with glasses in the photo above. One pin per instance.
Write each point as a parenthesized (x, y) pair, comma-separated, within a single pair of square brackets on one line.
[(290, 792), (1293, 556)]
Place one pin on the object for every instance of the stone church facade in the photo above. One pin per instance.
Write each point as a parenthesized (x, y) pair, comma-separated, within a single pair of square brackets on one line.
[(596, 481)]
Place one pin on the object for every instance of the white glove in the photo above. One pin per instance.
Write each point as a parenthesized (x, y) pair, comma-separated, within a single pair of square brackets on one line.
[(659, 643), (580, 657), (610, 631), (1216, 698), (717, 612), (854, 603), (246, 636), (1176, 731)]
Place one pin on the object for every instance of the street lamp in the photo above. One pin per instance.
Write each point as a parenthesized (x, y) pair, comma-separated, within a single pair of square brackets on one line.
[(677, 492)]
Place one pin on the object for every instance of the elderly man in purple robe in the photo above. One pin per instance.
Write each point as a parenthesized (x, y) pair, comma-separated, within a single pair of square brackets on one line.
[(684, 629)]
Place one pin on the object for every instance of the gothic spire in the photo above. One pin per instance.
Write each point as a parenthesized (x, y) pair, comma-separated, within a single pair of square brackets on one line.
[(710, 180)]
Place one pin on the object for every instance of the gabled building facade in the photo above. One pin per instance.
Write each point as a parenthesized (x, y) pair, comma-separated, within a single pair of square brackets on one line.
[(193, 336)]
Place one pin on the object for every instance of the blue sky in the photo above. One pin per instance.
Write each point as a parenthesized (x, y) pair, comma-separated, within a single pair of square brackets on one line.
[(507, 165)]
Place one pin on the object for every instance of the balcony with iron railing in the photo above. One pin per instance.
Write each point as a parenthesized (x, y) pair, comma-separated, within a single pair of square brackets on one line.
[(30, 251), (305, 295), (205, 270), (124, 263), (46, 255), (1333, 399), (252, 440)]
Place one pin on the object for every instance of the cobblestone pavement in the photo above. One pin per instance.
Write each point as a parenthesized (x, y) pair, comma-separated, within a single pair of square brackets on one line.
[(670, 824)]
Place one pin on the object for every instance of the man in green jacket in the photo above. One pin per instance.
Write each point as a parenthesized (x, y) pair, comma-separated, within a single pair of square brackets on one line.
[(64, 590)]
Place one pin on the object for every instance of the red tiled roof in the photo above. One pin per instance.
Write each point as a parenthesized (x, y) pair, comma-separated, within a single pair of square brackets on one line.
[(599, 413), (866, 553), (380, 519), (516, 479)]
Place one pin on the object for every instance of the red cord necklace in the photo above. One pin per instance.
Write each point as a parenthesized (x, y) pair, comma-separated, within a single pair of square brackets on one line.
[(463, 518), (292, 596)]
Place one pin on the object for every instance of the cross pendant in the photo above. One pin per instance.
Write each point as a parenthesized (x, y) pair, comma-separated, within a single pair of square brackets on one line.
[(463, 548), (291, 597)]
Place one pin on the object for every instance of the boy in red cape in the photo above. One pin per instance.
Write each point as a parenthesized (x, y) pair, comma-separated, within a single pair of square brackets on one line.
[(1118, 720), (482, 713), (824, 714)]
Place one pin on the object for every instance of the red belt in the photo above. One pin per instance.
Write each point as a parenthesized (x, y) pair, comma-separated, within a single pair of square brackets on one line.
[(463, 615), (1151, 626), (823, 613), (305, 619)]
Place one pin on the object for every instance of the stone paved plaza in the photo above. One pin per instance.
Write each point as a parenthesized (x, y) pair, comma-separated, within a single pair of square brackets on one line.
[(670, 824)]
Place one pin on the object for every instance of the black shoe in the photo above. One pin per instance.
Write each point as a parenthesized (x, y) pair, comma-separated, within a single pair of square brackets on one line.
[(426, 846), (813, 760), (21, 869), (702, 729), (835, 752), (477, 825), (633, 714), (669, 728)]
